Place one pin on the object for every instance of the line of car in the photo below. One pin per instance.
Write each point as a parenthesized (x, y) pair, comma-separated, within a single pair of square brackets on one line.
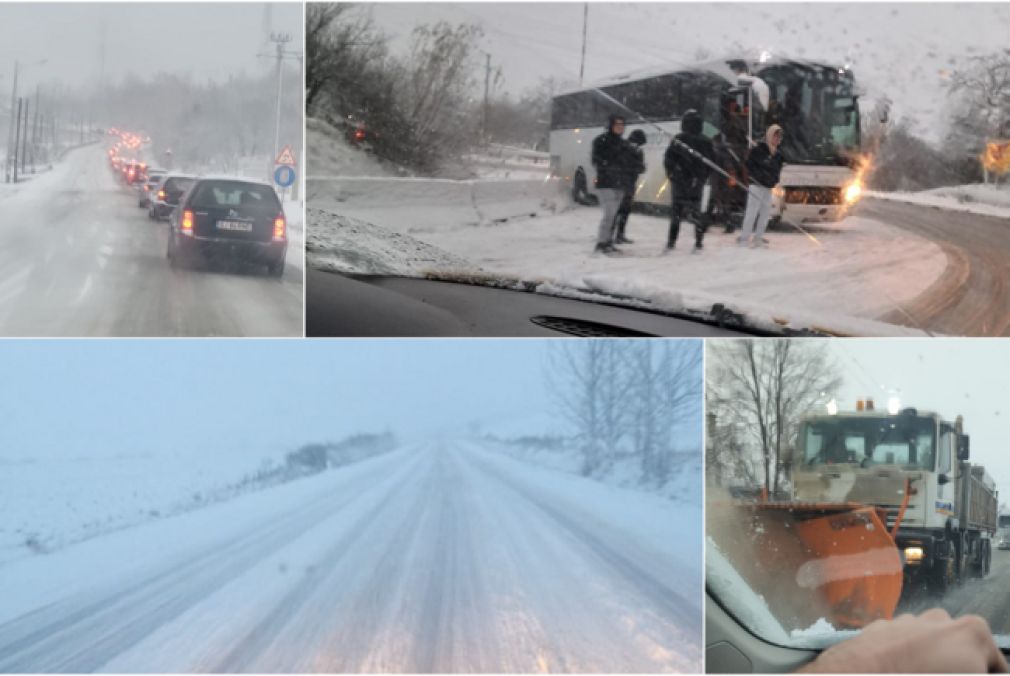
[(210, 217)]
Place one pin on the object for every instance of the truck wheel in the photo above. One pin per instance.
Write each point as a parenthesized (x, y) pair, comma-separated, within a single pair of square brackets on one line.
[(944, 573)]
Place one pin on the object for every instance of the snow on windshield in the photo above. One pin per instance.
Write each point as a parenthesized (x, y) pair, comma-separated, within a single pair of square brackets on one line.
[(505, 168), (806, 549)]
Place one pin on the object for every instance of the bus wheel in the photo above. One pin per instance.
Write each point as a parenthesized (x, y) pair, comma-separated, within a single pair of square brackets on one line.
[(580, 189)]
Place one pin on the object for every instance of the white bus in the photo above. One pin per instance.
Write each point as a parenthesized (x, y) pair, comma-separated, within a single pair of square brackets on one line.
[(816, 105)]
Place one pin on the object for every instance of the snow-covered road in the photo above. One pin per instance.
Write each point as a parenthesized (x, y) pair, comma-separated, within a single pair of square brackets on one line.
[(78, 258), (438, 557)]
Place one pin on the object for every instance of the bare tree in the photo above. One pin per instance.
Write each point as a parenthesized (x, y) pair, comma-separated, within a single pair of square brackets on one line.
[(756, 392), (981, 96), (340, 41), (590, 386), (664, 394)]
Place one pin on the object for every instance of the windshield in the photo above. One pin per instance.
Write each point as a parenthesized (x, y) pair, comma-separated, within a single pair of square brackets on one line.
[(817, 109), (824, 514), (909, 442), (890, 180), (218, 194)]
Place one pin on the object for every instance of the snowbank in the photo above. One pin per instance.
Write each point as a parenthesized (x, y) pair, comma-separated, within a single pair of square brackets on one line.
[(330, 155), (338, 242), (983, 200)]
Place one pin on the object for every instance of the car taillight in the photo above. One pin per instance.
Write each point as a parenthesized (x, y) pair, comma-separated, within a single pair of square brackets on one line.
[(187, 222), (161, 194), (279, 229)]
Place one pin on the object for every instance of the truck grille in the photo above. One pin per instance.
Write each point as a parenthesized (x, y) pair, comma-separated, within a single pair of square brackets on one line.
[(813, 195)]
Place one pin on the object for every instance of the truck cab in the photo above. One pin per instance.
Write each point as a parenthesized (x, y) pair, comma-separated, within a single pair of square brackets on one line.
[(913, 465)]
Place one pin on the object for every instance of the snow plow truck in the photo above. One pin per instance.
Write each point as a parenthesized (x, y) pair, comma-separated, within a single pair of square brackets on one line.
[(879, 502)]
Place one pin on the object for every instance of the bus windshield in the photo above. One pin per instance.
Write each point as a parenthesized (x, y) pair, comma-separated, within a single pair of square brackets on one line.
[(817, 108), (868, 441)]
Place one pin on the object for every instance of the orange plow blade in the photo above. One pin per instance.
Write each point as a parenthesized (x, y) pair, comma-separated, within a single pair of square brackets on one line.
[(835, 561)]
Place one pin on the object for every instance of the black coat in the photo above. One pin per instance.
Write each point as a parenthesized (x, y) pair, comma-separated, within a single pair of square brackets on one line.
[(633, 166), (609, 158), (686, 172), (763, 167)]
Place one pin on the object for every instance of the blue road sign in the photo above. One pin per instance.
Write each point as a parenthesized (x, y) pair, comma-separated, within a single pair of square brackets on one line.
[(284, 175)]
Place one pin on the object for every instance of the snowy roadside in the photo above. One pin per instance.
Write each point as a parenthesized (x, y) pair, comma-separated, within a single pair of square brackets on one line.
[(867, 269), (644, 517), (982, 200), (45, 179), (29, 583), (683, 486), (49, 504)]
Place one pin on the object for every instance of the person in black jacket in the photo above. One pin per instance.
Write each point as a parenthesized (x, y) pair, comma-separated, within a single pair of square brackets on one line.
[(687, 173), (634, 166), (764, 168), (609, 157)]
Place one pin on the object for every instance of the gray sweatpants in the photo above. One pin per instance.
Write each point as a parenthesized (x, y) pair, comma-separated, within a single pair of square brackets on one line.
[(755, 219), (610, 200)]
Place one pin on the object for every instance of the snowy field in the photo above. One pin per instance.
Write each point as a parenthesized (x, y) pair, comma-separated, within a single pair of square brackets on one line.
[(49, 503), (438, 557)]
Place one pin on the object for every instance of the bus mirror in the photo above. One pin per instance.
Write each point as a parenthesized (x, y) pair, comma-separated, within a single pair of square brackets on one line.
[(963, 448)]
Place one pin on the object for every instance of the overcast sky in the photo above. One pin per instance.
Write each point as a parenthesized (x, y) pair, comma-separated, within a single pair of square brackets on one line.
[(204, 39), (904, 50), (951, 377), (264, 397), (179, 396)]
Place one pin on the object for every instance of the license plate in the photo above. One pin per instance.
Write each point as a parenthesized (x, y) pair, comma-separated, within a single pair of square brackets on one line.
[(235, 226)]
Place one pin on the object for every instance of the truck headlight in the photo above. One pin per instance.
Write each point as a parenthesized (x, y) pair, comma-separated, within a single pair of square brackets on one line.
[(913, 554), (853, 192)]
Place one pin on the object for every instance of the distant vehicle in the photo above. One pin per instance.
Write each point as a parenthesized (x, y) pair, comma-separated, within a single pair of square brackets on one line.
[(1003, 534), (815, 103), (150, 187), (134, 172), (359, 134), (234, 216), (166, 198)]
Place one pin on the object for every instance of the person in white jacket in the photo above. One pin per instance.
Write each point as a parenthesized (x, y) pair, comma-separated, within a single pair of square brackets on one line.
[(764, 169)]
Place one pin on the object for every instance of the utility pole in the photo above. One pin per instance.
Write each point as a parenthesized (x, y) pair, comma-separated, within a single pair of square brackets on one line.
[(24, 139), (10, 129), (17, 141), (585, 24), (279, 39), (487, 86), (35, 129)]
